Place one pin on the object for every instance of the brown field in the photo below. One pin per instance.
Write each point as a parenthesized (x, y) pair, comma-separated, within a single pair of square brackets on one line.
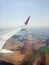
[(15, 58)]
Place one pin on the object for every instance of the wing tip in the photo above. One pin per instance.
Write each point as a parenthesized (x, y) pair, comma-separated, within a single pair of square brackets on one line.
[(27, 20)]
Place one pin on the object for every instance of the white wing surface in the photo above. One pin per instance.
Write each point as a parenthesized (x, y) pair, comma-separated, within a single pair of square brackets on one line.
[(6, 36)]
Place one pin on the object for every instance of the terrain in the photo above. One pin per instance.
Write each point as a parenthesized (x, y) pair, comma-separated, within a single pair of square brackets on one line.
[(29, 47)]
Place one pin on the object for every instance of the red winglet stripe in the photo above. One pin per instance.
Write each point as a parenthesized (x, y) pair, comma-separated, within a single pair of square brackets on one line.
[(27, 20)]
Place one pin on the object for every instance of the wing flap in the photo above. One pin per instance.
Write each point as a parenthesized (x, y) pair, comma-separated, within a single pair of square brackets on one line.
[(5, 51)]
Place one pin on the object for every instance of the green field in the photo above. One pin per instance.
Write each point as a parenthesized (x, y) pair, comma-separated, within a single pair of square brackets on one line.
[(33, 55)]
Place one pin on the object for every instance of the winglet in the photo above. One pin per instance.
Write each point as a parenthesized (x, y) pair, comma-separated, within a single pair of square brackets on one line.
[(27, 21)]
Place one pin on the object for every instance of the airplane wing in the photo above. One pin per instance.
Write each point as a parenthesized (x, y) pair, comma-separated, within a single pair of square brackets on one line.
[(6, 36)]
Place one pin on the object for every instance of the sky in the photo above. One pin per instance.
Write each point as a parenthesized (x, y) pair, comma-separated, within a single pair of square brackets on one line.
[(15, 12)]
